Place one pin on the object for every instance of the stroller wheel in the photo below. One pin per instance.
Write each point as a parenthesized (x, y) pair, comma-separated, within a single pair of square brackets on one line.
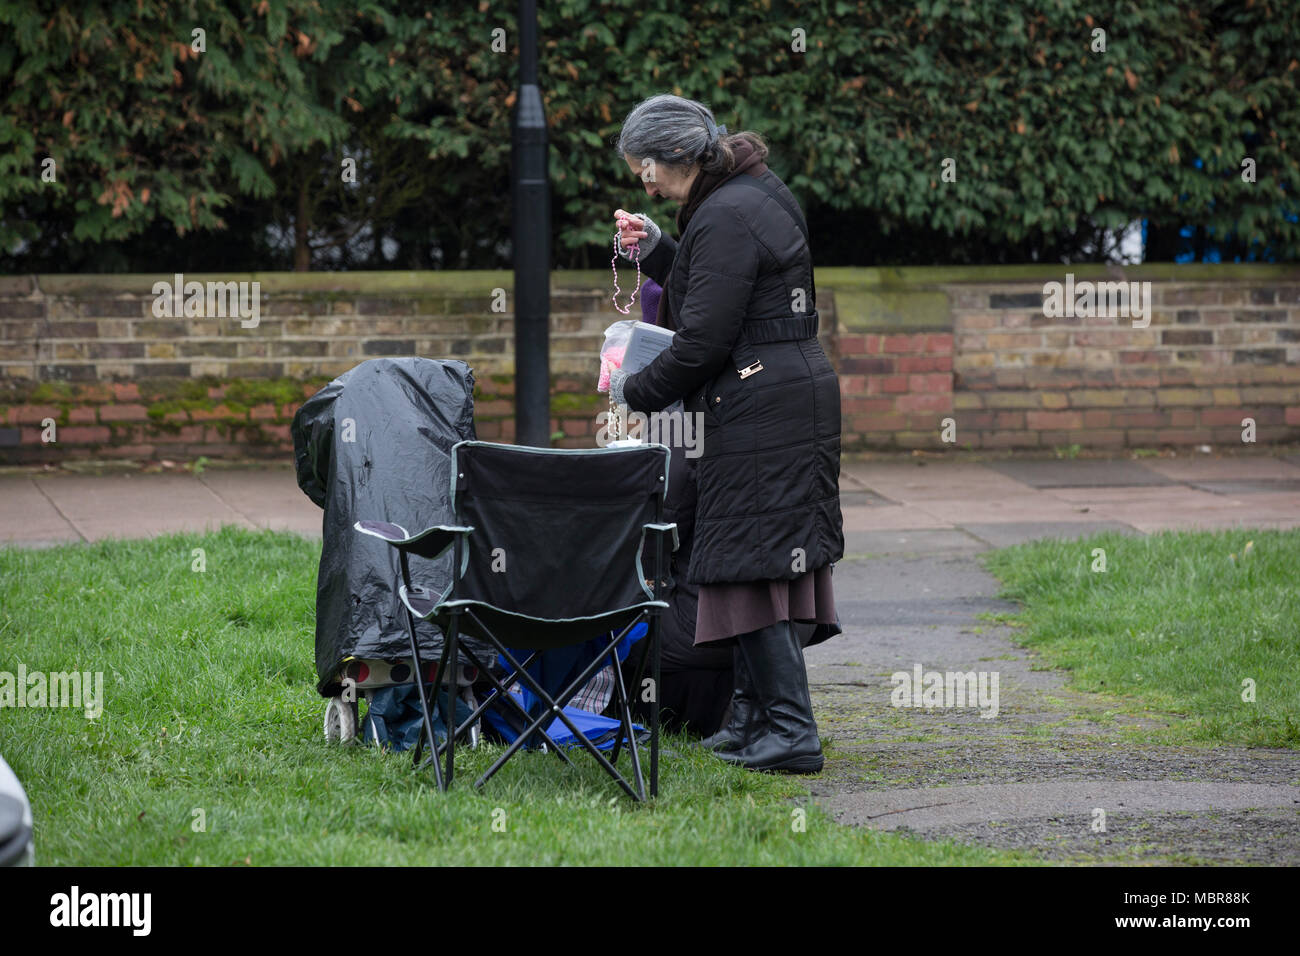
[(340, 721)]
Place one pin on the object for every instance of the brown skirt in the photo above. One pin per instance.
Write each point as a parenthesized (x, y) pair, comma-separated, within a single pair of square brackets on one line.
[(726, 610)]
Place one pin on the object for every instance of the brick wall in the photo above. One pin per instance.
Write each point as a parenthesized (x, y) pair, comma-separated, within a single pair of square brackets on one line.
[(913, 346), (917, 346)]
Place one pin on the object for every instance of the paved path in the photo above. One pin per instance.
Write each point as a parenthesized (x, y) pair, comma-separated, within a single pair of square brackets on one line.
[(888, 505), (909, 590), (1033, 777)]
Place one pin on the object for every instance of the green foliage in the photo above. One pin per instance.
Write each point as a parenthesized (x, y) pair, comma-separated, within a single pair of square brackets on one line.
[(163, 152)]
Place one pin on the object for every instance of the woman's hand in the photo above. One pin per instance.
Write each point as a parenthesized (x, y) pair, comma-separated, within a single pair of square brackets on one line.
[(631, 228)]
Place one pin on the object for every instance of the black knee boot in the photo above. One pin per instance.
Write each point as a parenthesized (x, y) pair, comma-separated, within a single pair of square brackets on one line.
[(790, 744), (745, 722)]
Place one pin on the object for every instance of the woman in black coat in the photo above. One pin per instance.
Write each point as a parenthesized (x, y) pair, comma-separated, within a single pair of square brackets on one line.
[(738, 292)]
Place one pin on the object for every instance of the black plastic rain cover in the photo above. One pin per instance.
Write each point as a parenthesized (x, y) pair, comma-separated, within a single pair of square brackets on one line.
[(375, 444)]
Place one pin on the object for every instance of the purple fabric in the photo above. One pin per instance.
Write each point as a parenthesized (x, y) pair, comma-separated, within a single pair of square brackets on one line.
[(650, 292)]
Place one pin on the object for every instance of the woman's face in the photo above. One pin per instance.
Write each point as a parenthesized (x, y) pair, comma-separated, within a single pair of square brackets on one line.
[(661, 179)]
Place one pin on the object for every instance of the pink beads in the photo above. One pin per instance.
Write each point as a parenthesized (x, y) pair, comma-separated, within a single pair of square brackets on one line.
[(636, 257)]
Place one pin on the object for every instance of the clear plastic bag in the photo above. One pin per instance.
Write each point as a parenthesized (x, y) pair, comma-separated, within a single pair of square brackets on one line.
[(612, 351)]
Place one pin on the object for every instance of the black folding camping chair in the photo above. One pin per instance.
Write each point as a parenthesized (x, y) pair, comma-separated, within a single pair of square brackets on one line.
[(547, 552)]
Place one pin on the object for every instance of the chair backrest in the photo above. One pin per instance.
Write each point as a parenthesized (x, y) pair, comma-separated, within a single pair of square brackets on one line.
[(557, 532)]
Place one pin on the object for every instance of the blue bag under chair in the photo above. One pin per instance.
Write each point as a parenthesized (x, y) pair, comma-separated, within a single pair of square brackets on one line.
[(553, 670)]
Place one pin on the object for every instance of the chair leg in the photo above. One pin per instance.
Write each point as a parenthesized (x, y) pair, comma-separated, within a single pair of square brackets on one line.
[(654, 705), (426, 717), (557, 708), (451, 718), (626, 713)]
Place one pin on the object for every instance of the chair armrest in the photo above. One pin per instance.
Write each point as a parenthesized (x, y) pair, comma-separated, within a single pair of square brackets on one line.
[(664, 529), (429, 543)]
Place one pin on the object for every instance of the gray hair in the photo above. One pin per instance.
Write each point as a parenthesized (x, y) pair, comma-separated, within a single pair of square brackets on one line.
[(679, 132)]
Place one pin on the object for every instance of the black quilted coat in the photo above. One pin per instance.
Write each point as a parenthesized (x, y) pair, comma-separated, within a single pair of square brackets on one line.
[(767, 482)]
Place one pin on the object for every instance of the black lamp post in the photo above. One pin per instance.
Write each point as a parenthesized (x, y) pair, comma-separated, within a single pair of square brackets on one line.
[(531, 213)]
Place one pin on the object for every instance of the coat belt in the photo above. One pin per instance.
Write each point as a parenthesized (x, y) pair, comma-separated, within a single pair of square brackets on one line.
[(763, 331)]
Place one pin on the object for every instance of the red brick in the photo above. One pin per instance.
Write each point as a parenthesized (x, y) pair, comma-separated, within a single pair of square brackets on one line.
[(1038, 421), (1136, 357), (126, 392), (1097, 418), (289, 410), (853, 384), (1293, 415), (309, 390), (1225, 416), (924, 402), (123, 413), (878, 422), (904, 343), (851, 405), (575, 426), (939, 342), (1127, 419), (917, 363), (128, 451), (262, 413), (96, 435), (1175, 436), (893, 383), (852, 345), (186, 433), (1007, 419), (280, 432), (32, 414), (82, 415), (875, 344), (495, 407), (93, 393)]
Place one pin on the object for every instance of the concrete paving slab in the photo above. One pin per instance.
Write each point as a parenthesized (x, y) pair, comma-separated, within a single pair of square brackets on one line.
[(27, 516), (909, 482), (266, 498), (863, 497), (890, 518), (1204, 468), (1185, 495), (928, 541), (136, 506), (1075, 473), (1018, 532), (1026, 506), (1249, 487), (936, 807)]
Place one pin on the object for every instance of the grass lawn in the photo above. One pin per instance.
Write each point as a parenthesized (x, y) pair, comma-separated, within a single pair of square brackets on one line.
[(1175, 623), (211, 716)]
